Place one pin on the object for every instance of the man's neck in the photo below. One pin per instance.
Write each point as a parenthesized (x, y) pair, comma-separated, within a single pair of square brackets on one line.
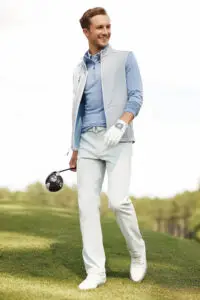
[(93, 50)]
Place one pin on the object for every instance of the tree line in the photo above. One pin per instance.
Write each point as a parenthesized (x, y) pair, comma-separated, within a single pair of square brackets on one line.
[(177, 215)]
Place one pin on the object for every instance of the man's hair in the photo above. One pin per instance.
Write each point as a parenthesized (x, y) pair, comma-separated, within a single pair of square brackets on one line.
[(85, 19)]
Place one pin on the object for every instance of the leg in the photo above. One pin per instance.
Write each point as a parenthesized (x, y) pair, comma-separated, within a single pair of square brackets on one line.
[(119, 173), (90, 175)]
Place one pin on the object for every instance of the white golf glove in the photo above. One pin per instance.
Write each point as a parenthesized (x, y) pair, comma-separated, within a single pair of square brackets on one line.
[(114, 133)]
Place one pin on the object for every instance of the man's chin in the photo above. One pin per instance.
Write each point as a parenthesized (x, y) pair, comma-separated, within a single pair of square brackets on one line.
[(103, 44)]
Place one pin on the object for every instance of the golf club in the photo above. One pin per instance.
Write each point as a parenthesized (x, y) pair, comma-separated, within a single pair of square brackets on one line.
[(54, 181)]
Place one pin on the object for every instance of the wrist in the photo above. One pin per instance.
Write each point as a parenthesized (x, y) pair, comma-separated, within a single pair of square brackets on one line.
[(120, 124), (120, 121)]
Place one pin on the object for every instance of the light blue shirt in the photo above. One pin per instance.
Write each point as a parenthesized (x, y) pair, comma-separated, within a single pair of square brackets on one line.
[(92, 98)]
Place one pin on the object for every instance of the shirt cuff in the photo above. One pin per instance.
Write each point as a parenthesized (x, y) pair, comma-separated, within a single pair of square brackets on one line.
[(133, 108)]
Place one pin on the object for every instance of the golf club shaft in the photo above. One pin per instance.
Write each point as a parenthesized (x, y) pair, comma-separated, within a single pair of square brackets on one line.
[(66, 170)]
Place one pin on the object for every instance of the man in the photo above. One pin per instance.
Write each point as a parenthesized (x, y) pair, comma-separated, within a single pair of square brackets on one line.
[(107, 96)]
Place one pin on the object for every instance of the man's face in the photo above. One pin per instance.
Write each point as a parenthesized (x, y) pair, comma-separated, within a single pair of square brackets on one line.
[(100, 31)]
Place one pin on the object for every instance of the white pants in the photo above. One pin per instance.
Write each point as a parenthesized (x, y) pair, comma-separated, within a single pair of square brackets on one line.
[(93, 159)]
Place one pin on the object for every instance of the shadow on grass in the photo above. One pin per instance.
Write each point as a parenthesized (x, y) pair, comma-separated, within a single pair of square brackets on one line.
[(171, 262)]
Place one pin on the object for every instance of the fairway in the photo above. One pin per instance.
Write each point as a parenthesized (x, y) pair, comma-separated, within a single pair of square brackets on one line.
[(40, 258)]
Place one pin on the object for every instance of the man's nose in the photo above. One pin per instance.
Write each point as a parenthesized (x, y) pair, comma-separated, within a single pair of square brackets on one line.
[(105, 31)]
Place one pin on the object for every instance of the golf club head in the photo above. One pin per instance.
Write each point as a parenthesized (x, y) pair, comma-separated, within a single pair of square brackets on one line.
[(54, 182)]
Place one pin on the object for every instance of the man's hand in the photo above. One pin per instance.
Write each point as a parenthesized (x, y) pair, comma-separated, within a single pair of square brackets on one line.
[(115, 132), (73, 160)]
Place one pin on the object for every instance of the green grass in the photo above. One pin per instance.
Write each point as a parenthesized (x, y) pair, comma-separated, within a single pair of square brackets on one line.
[(40, 258)]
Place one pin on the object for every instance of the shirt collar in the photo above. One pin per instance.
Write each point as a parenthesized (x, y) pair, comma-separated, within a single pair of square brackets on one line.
[(96, 57)]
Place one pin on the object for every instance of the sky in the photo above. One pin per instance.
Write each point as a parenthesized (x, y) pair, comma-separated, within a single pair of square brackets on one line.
[(41, 42)]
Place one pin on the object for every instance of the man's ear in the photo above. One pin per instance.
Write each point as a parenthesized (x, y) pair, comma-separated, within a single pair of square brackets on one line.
[(86, 32)]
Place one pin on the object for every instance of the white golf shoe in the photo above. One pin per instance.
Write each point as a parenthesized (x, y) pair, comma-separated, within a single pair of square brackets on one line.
[(138, 268), (92, 281)]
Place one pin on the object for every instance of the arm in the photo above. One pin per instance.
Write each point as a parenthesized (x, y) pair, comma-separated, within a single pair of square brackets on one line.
[(75, 151), (134, 89)]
